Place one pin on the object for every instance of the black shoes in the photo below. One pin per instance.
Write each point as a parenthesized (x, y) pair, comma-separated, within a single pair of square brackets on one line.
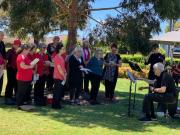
[(145, 119), (153, 117), (57, 107), (9, 101), (94, 102)]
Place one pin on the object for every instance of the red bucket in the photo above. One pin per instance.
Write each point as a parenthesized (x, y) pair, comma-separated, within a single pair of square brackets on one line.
[(49, 99)]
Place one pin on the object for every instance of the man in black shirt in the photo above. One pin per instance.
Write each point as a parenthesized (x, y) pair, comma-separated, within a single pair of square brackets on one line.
[(3, 53), (165, 91)]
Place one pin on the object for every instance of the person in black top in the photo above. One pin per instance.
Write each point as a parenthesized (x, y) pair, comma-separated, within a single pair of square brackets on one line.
[(112, 63), (3, 53), (11, 67), (164, 91), (154, 57), (75, 74)]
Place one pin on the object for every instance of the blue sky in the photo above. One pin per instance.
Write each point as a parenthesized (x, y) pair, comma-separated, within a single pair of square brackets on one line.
[(101, 15)]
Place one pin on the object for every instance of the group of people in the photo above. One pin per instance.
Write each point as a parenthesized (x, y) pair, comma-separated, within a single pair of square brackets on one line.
[(162, 87), (32, 69)]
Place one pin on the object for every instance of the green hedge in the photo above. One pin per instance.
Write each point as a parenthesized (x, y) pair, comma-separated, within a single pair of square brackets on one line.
[(135, 58), (140, 59)]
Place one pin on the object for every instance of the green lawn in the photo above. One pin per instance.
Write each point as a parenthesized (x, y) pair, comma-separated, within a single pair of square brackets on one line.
[(107, 119)]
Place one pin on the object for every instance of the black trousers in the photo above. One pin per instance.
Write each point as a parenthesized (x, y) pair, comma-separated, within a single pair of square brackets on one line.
[(95, 84), (11, 83), (23, 89), (1, 84), (110, 88), (176, 79), (86, 83), (57, 93), (75, 91), (155, 97), (50, 80), (39, 91)]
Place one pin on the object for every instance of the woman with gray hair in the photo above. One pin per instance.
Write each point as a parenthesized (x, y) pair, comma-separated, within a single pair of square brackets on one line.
[(75, 74), (96, 66)]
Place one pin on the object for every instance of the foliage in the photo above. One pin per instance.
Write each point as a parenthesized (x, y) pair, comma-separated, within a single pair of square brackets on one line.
[(4, 20), (75, 17), (123, 72), (134, 58), (140, 59), (39, 17), (164, 9), (176, 26), (30, 17), (135, 24)]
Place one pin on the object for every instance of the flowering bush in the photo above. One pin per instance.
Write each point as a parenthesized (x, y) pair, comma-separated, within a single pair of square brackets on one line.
[(123, 72)]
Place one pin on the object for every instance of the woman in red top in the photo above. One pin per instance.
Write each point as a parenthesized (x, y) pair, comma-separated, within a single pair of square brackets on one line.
[(176, 73), (32, 52), (59, 77), (43, 71), (31, 57), (24, 75)]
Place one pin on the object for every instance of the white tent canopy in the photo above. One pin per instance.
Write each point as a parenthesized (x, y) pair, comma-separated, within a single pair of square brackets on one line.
[(170, 38)]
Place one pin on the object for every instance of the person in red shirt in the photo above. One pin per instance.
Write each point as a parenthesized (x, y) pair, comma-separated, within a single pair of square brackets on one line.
[(42, 71), (64, 56), (59, 77), (11, 72), (50, 51), (32, 52), (24, 75), (31, 56), (176, 73)]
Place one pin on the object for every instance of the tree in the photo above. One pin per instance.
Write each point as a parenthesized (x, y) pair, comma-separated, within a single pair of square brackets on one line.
[(38, 17), (132, 31), (137, 21), (4, 20), (164, 9), (30, 17), (76, 12)]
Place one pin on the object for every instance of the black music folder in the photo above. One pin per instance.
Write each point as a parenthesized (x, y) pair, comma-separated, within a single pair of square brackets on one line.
[(134, 66)]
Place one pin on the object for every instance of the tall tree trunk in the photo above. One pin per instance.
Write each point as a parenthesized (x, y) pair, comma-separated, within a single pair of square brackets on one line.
[(72, 26)]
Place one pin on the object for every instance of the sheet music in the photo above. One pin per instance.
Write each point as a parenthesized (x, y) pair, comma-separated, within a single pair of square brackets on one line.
[(63, 82), (34, 62), (131, 77), (86, 70)]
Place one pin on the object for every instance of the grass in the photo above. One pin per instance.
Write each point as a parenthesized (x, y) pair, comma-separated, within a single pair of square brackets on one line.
[(107, 119)]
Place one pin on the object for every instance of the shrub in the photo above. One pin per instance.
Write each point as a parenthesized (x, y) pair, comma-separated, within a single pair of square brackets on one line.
[(175, 60), (123, 72), (140, 59), (134, 58)]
